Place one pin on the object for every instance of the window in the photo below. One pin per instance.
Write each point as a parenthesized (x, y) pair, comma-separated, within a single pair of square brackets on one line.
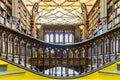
[(70, 38), (56, 38), (47, 37), (66, 38), (51, 38), (59, 36)]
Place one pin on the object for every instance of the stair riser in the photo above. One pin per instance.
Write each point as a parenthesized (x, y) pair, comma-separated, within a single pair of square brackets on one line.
[(118, 67), (3, 68)]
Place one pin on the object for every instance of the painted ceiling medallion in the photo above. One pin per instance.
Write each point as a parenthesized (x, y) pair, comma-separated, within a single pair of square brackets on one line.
[(59, 1)]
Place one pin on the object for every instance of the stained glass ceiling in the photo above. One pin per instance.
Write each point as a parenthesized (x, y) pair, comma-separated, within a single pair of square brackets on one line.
[(59, 11)]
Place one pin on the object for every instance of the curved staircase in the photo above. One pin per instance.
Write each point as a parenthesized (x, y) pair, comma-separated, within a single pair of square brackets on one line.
[(91, 59), (110, 72)]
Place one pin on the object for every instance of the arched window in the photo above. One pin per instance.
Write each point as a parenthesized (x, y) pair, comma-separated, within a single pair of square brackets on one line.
[(70, 38), (47, 38), (56, 38), (66, 38), (51, 38), (61, 38)]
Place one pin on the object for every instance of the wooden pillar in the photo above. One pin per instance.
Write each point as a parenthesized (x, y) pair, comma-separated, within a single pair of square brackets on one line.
[(86, 56), (0, 42), (86, 30), (119, 42), (73, 52), (15, 11), (97, 54), (31, 62), (56, 51), (19, 51), (13, 46), (25, 53), (103, 50), (109, 50), (37, 48), (103, 12), (79, 60), (6, 45), (115, 41), (61, 51), (33, 19), (91, 45), (67, 61), (49, 60)]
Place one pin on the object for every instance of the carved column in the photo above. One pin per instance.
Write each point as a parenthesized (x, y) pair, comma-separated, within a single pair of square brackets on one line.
[(97, 54), (33, 19), (86, 57), (13, 46), (15, 11), (115, 41), (91, 56), (31, 56), (109, 48), (103, 13), (25, 52), (6, 45), (86, 21), (19, 50), (0, 42), (79, 56), (103, 50)]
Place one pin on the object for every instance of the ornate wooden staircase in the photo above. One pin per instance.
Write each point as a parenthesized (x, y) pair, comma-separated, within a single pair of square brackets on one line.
[(60, 61)]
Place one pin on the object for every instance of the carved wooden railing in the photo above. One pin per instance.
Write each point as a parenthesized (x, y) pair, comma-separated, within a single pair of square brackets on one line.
[(57, 60)]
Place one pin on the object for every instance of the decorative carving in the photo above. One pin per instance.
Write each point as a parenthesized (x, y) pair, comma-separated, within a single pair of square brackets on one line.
[(35, 8), (34, 12), (84, 11)]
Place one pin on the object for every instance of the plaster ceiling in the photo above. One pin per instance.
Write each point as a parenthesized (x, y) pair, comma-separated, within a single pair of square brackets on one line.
[(59, 11)]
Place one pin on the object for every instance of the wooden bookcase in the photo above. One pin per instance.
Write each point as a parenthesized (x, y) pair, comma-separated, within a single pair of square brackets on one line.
[(113, 13), (113, 17), (93, 17), (24, 17), (9, 13), (22, 21), (2, 11)]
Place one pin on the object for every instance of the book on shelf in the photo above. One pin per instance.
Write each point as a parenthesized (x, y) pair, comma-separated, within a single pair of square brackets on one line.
[(1, 20), (110, 25), (2, 5), (104, 29)]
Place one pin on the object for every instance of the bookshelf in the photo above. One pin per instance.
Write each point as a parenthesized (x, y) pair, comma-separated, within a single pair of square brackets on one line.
[(20, 19), (93, 17), (9, 13), (113, 13), (24, 17), (2, 11), (113, 17)]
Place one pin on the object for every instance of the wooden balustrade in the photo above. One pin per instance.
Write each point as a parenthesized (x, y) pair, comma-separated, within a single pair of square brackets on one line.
[(68, 59)]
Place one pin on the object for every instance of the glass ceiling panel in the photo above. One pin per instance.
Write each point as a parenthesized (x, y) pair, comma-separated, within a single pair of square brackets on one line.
[(59, 11)]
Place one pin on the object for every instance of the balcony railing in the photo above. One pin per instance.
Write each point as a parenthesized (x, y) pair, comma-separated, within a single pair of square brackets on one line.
[(57, 60)]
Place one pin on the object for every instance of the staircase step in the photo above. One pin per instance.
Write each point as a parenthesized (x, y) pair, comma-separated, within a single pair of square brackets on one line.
[(11, 72), (109, 71), (118, 66), (3, 67)]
